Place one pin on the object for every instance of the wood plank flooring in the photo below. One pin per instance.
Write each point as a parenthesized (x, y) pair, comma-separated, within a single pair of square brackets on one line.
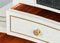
[(37, 11), (4, 38)]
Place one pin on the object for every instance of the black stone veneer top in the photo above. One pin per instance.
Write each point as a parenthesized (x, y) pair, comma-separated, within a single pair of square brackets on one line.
[(50, 3)]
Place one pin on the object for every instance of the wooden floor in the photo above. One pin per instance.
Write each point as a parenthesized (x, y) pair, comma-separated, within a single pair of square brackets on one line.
[(4, 38), (37, 11)]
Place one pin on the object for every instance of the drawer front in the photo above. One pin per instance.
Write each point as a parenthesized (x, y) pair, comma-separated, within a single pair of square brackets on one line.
[(30, 28)]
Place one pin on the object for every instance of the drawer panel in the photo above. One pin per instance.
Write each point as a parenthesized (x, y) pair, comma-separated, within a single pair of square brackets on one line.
[(25, 30), (34, 29)]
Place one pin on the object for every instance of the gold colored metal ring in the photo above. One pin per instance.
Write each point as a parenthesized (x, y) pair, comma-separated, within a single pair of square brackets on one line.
[(36, 32)]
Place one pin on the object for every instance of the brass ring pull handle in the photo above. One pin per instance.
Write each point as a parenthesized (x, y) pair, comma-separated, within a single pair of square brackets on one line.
[(36, 32)]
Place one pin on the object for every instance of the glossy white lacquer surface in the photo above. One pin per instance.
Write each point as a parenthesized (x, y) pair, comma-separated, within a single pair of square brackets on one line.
[(21, 22)]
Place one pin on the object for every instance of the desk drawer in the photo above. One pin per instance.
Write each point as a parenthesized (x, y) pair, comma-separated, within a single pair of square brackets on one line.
[(30, 25), (32, 29)]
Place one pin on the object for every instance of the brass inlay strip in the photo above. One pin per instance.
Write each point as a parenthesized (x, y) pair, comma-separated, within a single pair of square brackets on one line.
[(30, 21)]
